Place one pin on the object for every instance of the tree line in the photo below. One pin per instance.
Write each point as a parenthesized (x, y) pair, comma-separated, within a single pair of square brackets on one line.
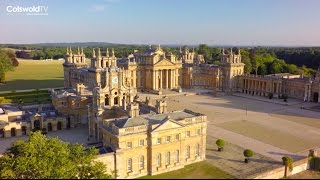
[(258, 60)]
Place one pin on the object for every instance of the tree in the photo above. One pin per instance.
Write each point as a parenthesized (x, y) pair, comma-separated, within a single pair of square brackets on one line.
[(50, 158), (247, 153), (12, 56), (287, 162), (5, 65), (220, 144)]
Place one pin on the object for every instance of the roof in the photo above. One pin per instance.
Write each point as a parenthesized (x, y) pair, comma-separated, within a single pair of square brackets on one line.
[(151, 119)]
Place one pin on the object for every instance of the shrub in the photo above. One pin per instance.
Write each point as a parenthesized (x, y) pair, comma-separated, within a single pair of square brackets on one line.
[(288, 161), (247, 153), (220, 144)]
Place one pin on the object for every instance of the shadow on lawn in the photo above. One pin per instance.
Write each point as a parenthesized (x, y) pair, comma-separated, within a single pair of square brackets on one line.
[(23, 84)]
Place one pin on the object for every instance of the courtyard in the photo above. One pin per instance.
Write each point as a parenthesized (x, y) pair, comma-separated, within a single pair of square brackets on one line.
[(270, 129)]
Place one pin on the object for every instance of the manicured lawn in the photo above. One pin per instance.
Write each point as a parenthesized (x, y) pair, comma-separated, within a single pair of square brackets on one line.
[(201, 170), (32, 74)]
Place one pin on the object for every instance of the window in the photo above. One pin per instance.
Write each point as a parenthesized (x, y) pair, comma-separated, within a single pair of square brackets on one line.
[(129, 166), (197, 150), (188, 152), (198, 131), (159, 160), (129, 145), (176, 160), (168, 158), (188, 134), (159, 141), (168, 138), (141, 162), (141, 142), (177, 137)]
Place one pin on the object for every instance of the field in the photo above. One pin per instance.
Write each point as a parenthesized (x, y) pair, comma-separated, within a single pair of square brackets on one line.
[(32, 74), (201, 170)]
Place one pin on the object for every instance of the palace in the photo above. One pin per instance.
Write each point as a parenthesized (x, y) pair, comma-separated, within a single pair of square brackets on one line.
[(140, 138)]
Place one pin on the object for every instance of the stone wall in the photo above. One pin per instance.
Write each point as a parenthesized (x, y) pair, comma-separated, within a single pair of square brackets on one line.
[(298, 166)]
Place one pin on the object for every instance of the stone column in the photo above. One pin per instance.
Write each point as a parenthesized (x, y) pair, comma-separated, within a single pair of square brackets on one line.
[(160, 79), (173, 78), (153, 80), (309, 93), (305, 93), (167, 79), (177, 77)]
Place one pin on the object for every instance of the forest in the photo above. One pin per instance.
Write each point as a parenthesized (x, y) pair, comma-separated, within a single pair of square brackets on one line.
[(258, 60)]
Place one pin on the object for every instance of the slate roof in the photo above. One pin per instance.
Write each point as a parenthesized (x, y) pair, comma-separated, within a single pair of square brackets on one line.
[(151, 119)]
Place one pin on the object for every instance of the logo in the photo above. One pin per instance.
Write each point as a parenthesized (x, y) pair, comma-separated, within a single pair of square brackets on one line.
[(27, 10)]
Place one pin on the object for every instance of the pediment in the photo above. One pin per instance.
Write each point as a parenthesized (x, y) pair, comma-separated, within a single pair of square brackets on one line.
[(167, 124), (164, 62)]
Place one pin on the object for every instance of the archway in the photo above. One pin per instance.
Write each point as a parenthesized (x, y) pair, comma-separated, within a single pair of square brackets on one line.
[(13, 132), (49, 127), (315, 97), (116, 101), (24, 130), (1, 133), (36, 124), (59, 125), (106, 100)]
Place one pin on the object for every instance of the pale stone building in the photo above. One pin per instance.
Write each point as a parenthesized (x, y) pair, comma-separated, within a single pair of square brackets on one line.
[(154, 143), (15, 122)]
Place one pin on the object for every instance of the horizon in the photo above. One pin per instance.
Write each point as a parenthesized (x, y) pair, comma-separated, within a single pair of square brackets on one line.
[(286, 23)]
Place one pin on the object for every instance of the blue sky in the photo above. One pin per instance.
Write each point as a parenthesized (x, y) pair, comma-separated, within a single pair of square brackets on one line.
[(214, 22)]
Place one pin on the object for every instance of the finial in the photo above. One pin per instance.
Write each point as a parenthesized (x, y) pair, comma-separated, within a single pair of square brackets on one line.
[(78, 50), (81, 50), (223, 51), (231, 51), (159, 46), (180, 50), (70, 50), (113, 52), (239, 51), (67, 50), (193, 49), (93, 53), (150, 46), (107, 53), (99, 53)]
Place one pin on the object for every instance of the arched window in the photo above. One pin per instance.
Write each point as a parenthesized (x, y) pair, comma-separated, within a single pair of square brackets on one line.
[(141, 162), (168, 158), (59, 125), (177, 157), (116, 102), (129, 166), (188, 152), (49, 127), (159, 160)]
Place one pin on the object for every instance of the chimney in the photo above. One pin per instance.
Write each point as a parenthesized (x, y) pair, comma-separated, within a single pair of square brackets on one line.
[(161, 106), (133, 110)]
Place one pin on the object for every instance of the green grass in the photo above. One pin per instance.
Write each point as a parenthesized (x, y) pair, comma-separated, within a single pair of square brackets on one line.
[(29, 97), (201, 170), (34, 75)]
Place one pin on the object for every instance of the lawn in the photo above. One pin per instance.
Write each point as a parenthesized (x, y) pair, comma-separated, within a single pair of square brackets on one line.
[(32, 74), (201, 170)]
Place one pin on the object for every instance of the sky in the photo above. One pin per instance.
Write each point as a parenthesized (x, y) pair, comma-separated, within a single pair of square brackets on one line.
[(187, 22)]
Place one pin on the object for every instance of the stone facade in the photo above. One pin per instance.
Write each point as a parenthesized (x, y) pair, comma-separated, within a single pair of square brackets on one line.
[(15, 122), (155, 143)]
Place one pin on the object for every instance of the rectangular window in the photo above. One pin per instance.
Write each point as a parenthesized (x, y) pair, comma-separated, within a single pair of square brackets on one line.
[(159, 141), (177, 137), (159, 160), (198, 132), (129, 145), (168, 139), (168, 158), (176, 160), (188, 152), (188, 134), (197, 150), (141, 142), (129, 166), (141, 162)]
